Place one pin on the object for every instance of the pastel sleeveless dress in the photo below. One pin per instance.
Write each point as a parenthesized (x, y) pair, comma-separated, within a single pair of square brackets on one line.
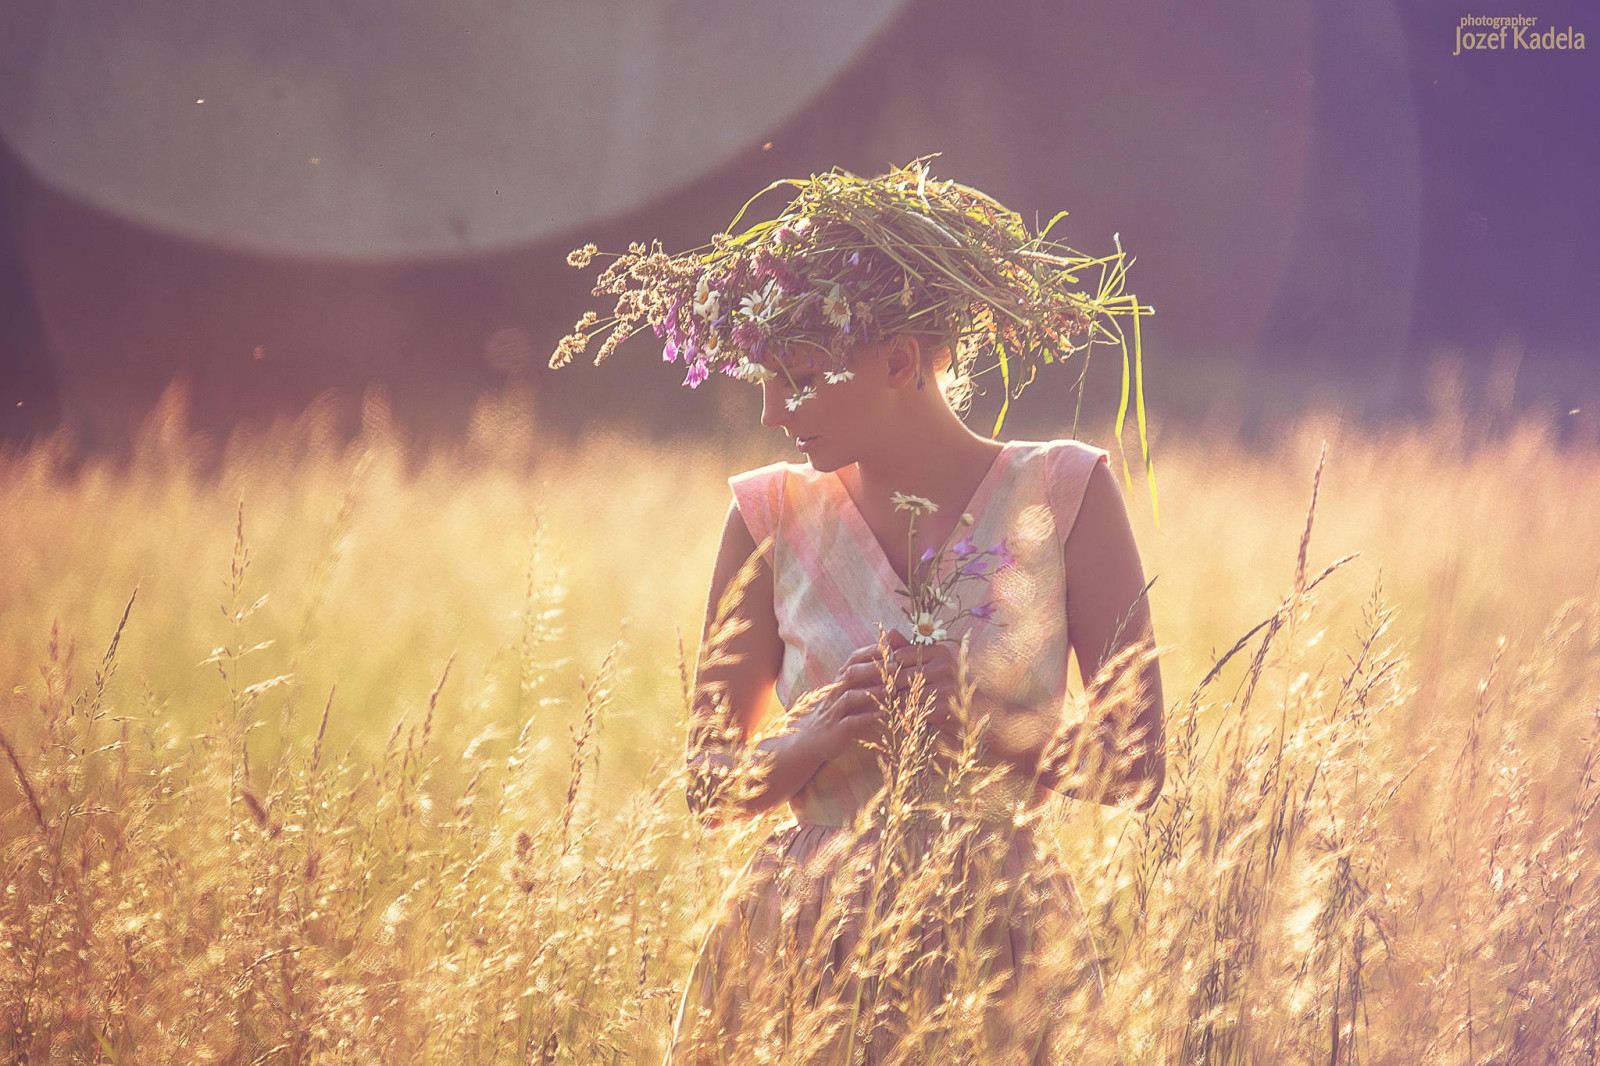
[(780, 926)]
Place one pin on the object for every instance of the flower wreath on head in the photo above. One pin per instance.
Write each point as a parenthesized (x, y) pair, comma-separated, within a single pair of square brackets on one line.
[(855, 260)]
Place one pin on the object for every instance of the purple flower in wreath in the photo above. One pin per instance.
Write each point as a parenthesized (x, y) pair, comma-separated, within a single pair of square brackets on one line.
[(985, 612), (669, 352), (764, 262), (791, 283), (977, 566), (697, 374), (746, 334), (928, 555), (964, 547)]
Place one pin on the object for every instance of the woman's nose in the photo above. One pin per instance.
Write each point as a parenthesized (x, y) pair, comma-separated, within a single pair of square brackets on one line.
[(773, 411)]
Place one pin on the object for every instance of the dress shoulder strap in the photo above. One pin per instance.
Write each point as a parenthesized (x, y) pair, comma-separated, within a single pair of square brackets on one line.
[(1068, 464), (759, 494)]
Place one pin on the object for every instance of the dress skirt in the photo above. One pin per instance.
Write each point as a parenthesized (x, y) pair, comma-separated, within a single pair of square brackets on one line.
[(924, 942)]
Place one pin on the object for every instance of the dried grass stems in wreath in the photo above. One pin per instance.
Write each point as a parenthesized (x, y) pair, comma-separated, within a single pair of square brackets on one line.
[(853, 261)]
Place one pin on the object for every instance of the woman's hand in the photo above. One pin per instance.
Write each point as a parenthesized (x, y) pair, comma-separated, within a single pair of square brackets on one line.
[(851, 709), (937, 664)]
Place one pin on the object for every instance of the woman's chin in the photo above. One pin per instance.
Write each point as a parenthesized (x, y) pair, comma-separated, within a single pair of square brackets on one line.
[(821, 461)]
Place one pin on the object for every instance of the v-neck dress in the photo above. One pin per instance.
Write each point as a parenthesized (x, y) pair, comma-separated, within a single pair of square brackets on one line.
[(833, 587)]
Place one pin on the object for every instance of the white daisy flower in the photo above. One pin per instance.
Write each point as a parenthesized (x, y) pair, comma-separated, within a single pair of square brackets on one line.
[(707, 301), (808, 393), (833, 377), (904, 501), (753, 372), (762, 305), (836, 307), (926, 629)]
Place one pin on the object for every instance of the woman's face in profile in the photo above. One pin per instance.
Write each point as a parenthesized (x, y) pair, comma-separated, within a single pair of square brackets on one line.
[(827, 414)]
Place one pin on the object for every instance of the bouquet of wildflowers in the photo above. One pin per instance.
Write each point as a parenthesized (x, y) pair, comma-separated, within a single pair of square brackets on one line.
[(853, 260), (935, 602)]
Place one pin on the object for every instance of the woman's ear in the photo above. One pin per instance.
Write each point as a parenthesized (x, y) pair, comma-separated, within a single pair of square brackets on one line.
[(902, 356)]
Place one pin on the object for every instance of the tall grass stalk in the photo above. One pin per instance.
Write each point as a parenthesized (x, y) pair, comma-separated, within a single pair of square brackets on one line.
[(1376, 843)]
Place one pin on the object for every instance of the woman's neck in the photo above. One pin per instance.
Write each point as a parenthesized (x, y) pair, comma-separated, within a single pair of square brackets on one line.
[(935, 462)]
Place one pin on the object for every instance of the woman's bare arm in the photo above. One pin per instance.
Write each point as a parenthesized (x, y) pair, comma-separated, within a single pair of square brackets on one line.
[(1109, 626), (735, 680)]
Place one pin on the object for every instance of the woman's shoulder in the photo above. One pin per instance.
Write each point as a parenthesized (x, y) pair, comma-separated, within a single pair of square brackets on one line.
[(764, 495), (1065, 467), (1065, 462), (778, 472), (777, 481), (1061, 448)]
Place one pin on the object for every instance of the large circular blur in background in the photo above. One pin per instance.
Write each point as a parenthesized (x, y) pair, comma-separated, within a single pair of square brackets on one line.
[(402, 128)]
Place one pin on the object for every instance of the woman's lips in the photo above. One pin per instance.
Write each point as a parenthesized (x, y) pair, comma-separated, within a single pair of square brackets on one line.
[(805, 442)]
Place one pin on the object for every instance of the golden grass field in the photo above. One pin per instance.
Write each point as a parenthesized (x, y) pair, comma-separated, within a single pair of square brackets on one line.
[(332, 754)]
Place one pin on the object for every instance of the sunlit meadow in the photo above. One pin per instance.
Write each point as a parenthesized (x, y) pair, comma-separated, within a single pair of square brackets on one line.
[(319, 752)]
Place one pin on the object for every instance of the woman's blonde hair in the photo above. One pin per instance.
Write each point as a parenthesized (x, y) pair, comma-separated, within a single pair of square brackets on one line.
[(938, 357)]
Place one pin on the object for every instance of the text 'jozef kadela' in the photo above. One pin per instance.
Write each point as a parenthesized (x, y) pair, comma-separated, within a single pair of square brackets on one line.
[(1513, 33)]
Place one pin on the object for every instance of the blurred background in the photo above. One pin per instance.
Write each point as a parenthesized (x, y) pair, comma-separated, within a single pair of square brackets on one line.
[(278, 285), (290, 204)]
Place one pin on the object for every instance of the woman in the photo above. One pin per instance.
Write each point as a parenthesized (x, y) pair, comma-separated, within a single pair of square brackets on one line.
[(902, 914)]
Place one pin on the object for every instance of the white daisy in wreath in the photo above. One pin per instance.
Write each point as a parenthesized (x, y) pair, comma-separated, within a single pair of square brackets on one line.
[(754, 373), (763, 304), (836, 307), (707, 301)]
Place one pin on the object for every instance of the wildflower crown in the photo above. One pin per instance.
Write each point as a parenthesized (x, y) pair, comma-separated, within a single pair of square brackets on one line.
[(853, 261)]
